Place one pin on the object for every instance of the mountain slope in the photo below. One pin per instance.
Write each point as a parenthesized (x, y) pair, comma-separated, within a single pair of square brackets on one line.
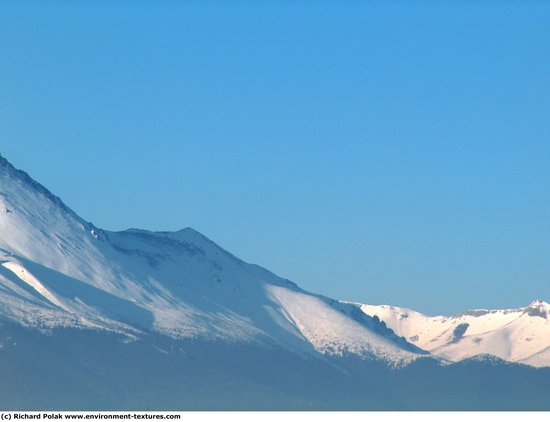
[(516, 335), (59, 271), (93, 319)]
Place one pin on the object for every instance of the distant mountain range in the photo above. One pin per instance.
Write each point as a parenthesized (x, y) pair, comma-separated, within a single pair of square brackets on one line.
[(516, 335), (169, 320)]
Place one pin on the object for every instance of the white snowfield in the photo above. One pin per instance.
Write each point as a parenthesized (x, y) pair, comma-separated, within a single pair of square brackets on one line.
[(516, 335), (56, 270)]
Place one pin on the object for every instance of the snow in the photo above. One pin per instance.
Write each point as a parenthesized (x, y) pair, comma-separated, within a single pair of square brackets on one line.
[(58, 270), (516, 335), (61, 271), (32, 281), (333, 332)]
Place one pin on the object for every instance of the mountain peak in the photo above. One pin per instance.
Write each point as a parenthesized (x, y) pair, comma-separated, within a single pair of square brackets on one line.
[(539, 304), (5, 164), (36, 224), (538, 308), (7, 169)]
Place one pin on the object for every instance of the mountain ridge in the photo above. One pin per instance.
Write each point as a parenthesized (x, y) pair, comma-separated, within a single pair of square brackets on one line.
[(71, 265), (137, 319), (176, 283), (518, 335)]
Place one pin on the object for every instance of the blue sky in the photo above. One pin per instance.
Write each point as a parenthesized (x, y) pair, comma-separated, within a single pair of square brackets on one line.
[(383, 151)]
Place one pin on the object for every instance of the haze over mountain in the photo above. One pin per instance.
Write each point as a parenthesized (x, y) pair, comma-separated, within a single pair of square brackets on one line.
[(101, 318)]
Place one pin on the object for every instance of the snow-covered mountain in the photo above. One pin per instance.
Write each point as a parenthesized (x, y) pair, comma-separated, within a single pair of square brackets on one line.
[(516, 335), (58, 270), (94, 319)]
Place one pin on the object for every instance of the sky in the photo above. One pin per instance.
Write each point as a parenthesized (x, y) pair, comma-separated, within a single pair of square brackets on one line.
[(384, 152)]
